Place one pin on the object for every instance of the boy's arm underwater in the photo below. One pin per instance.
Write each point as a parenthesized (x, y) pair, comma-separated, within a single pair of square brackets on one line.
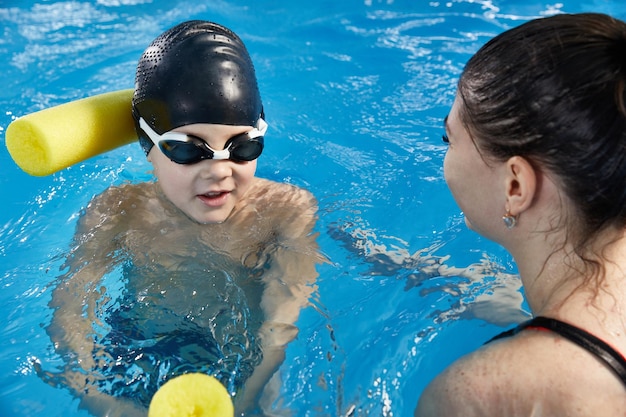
[(75, 299), (289, 282)]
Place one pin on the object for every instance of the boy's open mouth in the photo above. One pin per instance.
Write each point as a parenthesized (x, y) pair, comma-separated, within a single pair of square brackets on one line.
[(214, 198)]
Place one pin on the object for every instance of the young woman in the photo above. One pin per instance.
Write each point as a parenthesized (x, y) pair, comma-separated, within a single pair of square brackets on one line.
[(537, 163)]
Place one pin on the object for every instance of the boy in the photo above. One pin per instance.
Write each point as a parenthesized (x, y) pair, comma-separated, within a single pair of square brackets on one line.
[(215, 263)]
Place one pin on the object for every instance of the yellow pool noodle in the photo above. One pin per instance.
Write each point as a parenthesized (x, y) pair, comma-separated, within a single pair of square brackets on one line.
[(192, 395), (52, 139)]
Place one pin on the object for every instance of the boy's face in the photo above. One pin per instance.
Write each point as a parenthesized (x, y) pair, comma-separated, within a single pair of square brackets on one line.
[(206, 191)]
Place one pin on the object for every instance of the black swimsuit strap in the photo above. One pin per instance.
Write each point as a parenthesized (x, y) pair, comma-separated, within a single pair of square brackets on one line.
[(612, 358)]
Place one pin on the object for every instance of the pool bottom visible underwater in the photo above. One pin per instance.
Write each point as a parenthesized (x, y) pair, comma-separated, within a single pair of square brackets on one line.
[(354, 93)]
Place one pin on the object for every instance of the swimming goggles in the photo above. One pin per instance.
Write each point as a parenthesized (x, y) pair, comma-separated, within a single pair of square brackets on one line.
[(188, 149)]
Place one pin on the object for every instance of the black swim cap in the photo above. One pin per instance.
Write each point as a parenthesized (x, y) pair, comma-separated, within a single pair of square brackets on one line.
[(196, 72)]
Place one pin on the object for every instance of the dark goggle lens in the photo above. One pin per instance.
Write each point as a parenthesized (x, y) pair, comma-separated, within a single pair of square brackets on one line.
[(244, 148), (184, 152), (241, 148)]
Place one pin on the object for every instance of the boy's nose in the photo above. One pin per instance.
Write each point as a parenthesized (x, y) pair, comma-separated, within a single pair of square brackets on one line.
[(216, 169)]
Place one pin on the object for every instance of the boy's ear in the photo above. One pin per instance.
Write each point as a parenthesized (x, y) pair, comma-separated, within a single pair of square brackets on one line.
[(521, 184)]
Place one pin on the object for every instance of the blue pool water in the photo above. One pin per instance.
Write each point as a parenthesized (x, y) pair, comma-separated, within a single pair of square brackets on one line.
[(355, 92)]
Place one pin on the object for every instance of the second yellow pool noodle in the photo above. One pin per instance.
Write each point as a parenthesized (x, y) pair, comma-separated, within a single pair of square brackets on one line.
[(52, 139), (192, 395)]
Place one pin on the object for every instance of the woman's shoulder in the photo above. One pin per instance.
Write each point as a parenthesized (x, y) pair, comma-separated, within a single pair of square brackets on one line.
[(473, 384), (515, 375)]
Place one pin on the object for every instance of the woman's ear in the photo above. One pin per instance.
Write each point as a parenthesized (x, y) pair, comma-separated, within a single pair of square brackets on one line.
[(521, 185)]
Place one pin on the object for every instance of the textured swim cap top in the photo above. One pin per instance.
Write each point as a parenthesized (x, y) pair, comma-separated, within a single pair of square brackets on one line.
[(196, 72)]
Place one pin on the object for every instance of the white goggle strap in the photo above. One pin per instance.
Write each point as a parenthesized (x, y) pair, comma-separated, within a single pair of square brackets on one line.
[(156, 138), (262, 126)]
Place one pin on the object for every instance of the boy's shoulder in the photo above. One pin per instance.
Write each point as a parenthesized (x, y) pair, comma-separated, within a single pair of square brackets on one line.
[(125, 191), (124, 199), (279, 187), (279, 193), (288, 209)]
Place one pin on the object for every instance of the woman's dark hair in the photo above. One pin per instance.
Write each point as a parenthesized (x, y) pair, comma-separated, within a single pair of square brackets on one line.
[(553, 91)]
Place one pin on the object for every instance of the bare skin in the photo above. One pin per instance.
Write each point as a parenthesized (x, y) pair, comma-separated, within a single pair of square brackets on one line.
[(535, 373), (267, 234)]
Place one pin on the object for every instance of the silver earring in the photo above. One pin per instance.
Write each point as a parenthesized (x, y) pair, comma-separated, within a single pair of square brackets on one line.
[(509, 220)]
